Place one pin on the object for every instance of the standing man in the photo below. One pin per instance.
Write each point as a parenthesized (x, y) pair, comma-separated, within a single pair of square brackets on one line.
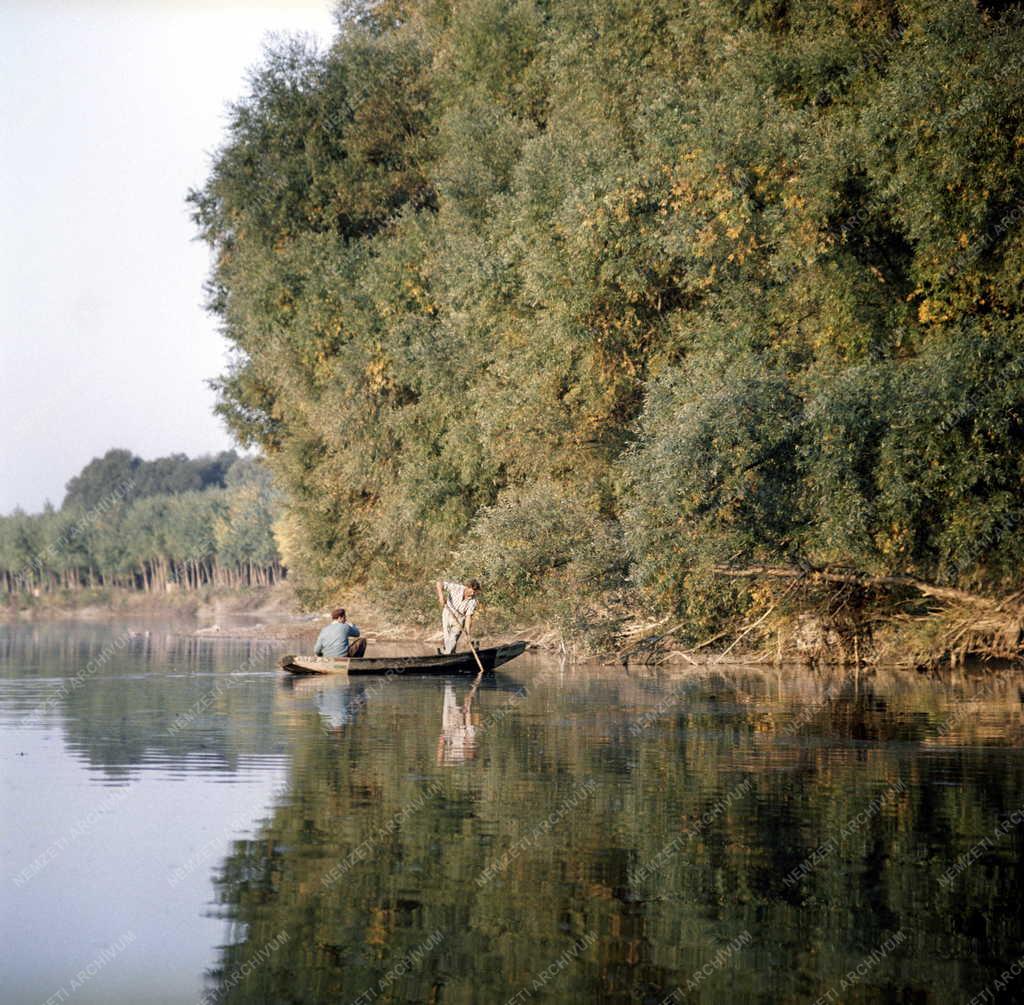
[(458, 602), (333, 640)]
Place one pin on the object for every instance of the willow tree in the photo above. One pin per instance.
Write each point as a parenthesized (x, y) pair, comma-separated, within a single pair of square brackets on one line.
[(728, 284)]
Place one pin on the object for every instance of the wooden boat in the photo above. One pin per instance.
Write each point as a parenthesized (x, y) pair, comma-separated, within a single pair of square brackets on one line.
[(457, 663)]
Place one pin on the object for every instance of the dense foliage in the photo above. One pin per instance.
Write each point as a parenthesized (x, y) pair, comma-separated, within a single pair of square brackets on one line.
[(153, 525), (590, 298)]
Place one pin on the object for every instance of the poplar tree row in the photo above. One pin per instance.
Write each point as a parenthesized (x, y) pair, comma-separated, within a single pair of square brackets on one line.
[(161, 525)]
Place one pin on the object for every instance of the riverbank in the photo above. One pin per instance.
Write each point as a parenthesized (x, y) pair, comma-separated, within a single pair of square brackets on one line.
[(795, 637), (103, 603)]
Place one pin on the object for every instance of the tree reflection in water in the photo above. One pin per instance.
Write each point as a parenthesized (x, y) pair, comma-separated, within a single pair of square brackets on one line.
[(790, 792)]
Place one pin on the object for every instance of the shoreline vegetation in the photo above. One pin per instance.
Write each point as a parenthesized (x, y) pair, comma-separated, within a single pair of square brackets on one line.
[(682, 328), (203, 539), (275, 614)]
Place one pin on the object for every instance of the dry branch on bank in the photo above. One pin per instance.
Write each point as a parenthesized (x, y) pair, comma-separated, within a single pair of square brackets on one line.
[(840, 616), (945, 593), (905, 620)]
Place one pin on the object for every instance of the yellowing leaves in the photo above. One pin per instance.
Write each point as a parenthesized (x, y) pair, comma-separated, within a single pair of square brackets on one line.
[(931, 312), (378, 377), (420, 296)]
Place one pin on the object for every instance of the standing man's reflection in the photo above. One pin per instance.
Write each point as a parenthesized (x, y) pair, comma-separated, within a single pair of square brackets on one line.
[(457, 742)]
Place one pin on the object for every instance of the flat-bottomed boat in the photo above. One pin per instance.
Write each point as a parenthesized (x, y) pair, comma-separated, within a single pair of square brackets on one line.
[(456, 663)]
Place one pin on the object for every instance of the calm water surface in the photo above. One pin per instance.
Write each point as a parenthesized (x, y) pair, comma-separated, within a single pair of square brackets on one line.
[(182, 824)]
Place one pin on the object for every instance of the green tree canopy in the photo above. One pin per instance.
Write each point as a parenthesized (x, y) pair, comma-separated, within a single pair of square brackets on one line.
[(732, 282)]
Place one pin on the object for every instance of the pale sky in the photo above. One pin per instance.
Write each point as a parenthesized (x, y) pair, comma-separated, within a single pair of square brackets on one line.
[(109, 112)]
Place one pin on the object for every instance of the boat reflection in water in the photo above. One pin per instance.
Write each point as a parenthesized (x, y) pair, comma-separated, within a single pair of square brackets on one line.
[(339, 703)]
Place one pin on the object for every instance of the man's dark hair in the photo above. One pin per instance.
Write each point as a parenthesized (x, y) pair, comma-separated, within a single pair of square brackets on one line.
[(338, 613), (474, 584)]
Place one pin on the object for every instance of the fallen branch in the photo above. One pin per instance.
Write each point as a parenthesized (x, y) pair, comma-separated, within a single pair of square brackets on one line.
[(949, 594)]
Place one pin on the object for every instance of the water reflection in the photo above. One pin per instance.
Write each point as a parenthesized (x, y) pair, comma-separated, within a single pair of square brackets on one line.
[(457, 742), (582, 834), (803, 819), (337, 701)]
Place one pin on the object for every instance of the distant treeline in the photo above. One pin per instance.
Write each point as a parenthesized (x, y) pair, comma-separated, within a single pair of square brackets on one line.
[(611, 302), (170, 523)]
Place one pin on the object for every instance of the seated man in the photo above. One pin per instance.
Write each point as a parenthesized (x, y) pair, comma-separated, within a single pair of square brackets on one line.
[(334, 641), (458, 603)]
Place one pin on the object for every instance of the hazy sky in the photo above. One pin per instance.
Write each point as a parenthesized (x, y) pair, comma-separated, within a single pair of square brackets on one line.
[(109, 111)]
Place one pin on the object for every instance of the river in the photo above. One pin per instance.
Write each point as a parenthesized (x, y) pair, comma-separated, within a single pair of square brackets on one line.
[(182, 823)]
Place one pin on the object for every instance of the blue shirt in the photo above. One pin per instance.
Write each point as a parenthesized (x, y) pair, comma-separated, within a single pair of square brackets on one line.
[(333, 639)]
